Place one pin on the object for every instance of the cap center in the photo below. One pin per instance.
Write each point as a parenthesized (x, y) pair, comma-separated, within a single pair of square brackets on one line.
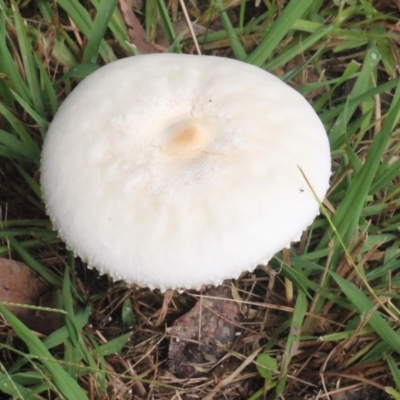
[(186, 139)]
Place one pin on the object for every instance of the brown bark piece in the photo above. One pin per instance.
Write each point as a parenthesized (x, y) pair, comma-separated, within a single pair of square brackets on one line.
[(21, 284), (203, 335)]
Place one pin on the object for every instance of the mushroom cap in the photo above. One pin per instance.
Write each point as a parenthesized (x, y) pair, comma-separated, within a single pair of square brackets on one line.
[(175, 171)]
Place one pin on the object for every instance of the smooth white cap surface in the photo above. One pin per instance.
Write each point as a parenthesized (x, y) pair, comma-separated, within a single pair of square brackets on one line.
[(174, 171)]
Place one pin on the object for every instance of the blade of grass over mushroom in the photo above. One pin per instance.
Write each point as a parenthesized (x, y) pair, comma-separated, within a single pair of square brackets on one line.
[(237, 47), (103, 16), (364, 306), (63, 381), (294, 11)]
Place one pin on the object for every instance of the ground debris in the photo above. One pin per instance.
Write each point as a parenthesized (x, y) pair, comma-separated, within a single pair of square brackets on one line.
[(21, 285), (367, 392), (203, 335)]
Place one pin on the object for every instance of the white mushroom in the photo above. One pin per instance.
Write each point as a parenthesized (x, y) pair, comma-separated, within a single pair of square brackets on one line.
[(174, 171)]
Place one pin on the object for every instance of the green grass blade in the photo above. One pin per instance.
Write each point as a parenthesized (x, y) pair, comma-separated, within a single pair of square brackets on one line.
[(61, 335), (7, 64), (49, 94), (78, 348), (118, 28), (63, 381), (103, 16), (10, 387), (128, 317), (349, 210), (395, 394), (299, 48), (361, 85), (299, 313), (35, 116), (71, 322), (113, 346), (237, 47), (165, 20), (331, 113), (45, 10), (79, 14), (50, 276), (18, 128), (17, 148), (29, 63), (364, 306), (34, 185), (394, 369), (294, 11), (78, 71), (390, 172)]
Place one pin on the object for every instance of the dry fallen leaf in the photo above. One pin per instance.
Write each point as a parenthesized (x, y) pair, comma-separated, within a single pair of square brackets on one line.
[(136, 32), (22, 285), (202, 336)]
